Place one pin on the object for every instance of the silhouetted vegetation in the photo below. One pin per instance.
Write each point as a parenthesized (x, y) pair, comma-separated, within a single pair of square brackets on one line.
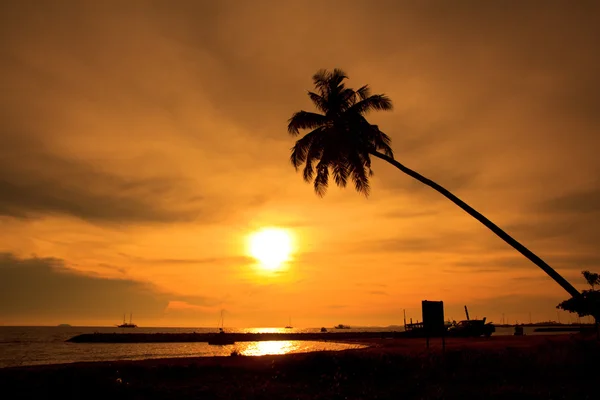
[(589, 301), (557, 368), (341, 142)]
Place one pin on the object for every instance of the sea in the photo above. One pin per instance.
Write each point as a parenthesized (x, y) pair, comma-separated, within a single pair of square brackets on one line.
[(30, 345)]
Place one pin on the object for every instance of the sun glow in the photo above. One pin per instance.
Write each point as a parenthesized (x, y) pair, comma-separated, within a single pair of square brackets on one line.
[(271, 246)]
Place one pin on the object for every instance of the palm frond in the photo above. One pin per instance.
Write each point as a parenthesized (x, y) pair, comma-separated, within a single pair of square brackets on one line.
[(299, 151), (340, 173), (364, 92), (358, 174), (376, 102), (308, 172), (298, 156), (319, 101), (321, 79), (337, 77), (346, 99), (305, 120), (381, 141), (314, 154), (321, 179)]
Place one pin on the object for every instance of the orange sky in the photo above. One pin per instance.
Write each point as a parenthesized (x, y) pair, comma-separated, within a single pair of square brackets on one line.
[(143, 141)]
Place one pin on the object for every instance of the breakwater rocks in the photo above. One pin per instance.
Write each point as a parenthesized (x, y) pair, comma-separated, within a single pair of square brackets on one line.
[(236, 337)]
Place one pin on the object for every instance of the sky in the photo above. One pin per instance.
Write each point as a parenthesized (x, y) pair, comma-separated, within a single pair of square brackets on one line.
[(143, 142)]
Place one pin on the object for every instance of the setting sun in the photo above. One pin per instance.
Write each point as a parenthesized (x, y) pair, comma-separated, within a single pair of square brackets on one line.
[(271, 246)]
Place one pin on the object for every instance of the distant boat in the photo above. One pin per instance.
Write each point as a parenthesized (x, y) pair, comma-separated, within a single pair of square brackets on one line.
[(221, 339), (289, 326), (341, 326), (127, 325)]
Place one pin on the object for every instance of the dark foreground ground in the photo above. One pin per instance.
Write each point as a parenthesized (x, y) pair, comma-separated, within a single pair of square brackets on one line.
[(534, 367)]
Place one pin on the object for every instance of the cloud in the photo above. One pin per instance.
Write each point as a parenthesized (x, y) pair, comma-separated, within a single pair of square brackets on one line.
[(46, 288), (233, 260), (35, 185), (586, 201), (178, 306), (378, 293), (436, 242)]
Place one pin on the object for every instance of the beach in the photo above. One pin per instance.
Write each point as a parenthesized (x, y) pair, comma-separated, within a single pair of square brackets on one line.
[(532, 367)]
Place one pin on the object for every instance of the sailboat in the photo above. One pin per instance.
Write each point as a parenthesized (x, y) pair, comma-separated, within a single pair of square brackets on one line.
[(221, 338), (127, 325), (289, 326)]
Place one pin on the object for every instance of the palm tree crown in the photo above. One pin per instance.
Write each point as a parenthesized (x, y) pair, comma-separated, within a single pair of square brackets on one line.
[(340, 139)]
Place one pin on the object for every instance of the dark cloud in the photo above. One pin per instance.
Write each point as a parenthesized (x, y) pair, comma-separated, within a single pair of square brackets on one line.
[(441, 241), (234, 260), (471, 268), (586, 202), (44, 287), (34, 185), (517, 261), (561, 223)]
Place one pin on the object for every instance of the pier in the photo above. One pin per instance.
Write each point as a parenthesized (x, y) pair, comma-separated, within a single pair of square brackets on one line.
[(236, 337)]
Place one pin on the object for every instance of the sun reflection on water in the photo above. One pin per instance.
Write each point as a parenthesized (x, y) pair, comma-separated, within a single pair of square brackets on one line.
[(267, 330), (269, 347)]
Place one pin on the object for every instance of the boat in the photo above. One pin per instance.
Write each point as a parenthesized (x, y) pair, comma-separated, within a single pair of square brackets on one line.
[(471, 327), (342, 326), (289, 326), (129, 324), (221, 338)]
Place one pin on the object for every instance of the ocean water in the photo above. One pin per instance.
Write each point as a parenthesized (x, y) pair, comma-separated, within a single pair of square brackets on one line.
[(47, 345)]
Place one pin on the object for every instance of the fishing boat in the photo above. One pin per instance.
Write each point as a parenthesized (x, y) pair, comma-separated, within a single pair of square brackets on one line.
[(129, 324)]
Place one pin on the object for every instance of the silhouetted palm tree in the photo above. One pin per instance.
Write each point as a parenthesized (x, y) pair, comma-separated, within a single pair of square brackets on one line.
[(341, 142)]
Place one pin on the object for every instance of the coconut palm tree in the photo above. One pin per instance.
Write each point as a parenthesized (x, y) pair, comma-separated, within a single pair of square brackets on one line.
[(341, 142)]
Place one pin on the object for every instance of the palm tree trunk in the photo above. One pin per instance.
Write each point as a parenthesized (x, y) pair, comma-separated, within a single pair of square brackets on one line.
[(479, 217)]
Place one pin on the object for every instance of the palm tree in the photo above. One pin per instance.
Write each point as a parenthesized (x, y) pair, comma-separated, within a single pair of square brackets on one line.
[(341, 141)]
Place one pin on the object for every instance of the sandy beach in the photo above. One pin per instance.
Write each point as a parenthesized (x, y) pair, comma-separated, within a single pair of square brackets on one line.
[(532, 367)]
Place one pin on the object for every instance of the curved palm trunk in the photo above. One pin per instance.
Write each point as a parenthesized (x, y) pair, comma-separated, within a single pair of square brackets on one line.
[(479, 217)]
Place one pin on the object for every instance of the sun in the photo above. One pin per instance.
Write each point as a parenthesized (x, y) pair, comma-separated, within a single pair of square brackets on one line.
[(271, 246)]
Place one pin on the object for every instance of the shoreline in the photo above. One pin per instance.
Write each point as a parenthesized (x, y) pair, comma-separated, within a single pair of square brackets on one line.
[(532, 367), (404, 346)]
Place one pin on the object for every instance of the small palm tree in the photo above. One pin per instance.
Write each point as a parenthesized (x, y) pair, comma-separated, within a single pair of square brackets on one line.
[(341, 142)]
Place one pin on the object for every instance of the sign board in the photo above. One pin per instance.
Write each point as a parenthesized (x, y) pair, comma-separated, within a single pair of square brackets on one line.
[(433, 316)]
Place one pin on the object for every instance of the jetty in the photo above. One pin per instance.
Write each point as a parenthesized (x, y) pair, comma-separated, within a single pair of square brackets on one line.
[(236, 337)]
